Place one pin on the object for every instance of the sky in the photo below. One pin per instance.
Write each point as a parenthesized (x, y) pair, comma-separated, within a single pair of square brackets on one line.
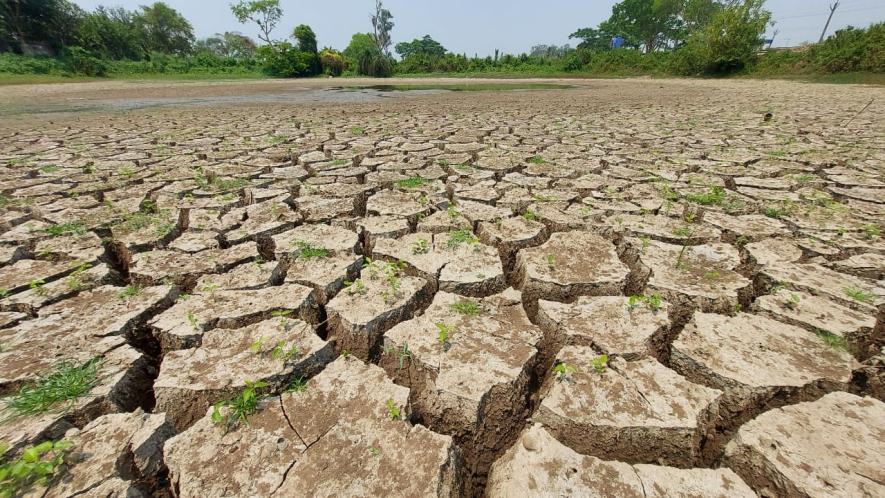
[(478, 27)]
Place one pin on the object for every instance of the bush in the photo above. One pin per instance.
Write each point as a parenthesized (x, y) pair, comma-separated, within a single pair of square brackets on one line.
[(364, 57), (283, 60), (851, 49), (727, 44), (80, 61), (332, 62)]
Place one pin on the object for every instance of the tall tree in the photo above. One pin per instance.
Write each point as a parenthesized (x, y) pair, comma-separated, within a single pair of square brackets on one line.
[(265, 13), (382, 22), (25, 23), (164, 29), (111, 33), (306, 38), (426, 46), (229, 44)]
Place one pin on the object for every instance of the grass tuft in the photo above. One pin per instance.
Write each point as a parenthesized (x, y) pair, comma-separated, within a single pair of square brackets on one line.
[(65, 384)]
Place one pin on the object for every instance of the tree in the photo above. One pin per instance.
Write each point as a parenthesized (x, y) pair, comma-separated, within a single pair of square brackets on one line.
[(383, 24), (307, 44), (110, 33), (305, 38), (647, 23), (284, 60), (425, 46), (729, 42), (230, 44), (164, 29), (363, 55), (332, 62), (265, 13), (26, 23), (593, 39)]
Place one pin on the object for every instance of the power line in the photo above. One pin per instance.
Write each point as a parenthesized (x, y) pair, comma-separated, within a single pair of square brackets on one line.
[(826, 13)]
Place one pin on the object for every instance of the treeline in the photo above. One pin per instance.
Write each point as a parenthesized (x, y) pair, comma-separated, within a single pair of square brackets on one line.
[(681, 37)]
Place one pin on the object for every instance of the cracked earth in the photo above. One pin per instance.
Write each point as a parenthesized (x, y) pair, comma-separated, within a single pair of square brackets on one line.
[(625, 288)]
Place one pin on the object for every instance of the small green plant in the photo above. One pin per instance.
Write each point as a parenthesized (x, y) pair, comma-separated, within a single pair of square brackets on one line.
[(36, 466), (536, 160), (714, 197), (859, 295), (792, 301), (453, 212), (872, 232), (67, 382), (374, 451), (49, 168), (192, 320), (345, 354), (74, 281), (458, 237), (306, 251), (338, 162), (712, 275), (38, 286), (355, 287), (4, 293), (402, 354), (530, 215), (832, 340), (653, 302), (393, 411), (66, 229), (279, 352), (257, 346), (297, 385), (444, 334), (646, 241), (467, 307), (563, 371), (420, 246), (357, 130), (600, 363), (239, 408), (551, 261), (129, 292), (413, 182), (684, 232)]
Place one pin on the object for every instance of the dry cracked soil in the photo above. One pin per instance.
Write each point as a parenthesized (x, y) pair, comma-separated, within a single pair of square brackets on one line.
[(622, 288)]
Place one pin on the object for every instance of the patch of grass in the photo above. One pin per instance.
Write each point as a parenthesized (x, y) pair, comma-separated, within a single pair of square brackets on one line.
[(66, 229), (467, 307), (297, 385), (872, 232), (859, 295), (832, 340), (684, 232), (413, 182), (714, 197), (536, 160), (66, 383), (36, 466), (530, 215), (74, 281), (357, 130), (239, 408), (49, 168), (307, 251), (129, 292), (458, 237)]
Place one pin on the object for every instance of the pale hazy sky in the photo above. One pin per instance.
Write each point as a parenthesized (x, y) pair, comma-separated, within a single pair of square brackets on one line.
[(481, 26)]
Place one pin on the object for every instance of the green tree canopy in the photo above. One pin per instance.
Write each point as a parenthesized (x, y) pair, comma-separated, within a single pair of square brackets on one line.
[(24, 23), (164, 29), (305, 38), (382, 22), (229, 44), (265, 13), (426, 46), (365, 58), (110, 33)]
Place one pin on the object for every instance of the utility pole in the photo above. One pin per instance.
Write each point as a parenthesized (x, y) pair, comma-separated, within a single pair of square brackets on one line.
[(833, 8)]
